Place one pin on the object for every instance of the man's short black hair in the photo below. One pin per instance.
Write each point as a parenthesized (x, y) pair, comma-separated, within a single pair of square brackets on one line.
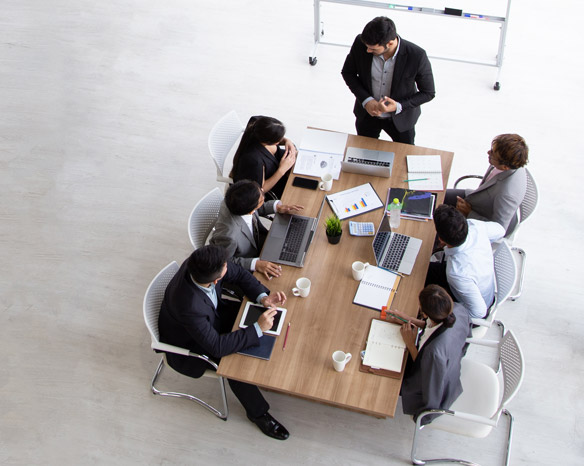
[(451, 225), (243, 197), (379, 31), (206, 263)]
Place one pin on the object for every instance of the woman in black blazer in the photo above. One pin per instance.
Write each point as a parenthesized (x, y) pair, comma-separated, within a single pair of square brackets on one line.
[(259, 157)]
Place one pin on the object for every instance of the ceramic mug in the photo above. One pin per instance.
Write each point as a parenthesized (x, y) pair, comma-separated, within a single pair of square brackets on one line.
[(302, 287), (340, 360), (358, 269), (327, 182)]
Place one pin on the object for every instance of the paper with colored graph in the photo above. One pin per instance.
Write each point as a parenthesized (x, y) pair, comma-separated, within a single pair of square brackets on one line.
[(354, 201)]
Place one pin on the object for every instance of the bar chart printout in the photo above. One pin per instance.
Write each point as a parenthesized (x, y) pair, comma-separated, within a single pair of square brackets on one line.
[(354, 201)]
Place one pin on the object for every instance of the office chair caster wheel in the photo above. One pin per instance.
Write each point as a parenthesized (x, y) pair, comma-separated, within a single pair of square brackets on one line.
[(312, 61), (497, 86)]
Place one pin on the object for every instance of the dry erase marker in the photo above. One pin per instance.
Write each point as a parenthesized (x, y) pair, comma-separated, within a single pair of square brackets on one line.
[(417, 179)]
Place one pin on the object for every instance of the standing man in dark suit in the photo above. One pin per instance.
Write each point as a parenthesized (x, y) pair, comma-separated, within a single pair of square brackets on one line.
[(390, 78), (194, 316)]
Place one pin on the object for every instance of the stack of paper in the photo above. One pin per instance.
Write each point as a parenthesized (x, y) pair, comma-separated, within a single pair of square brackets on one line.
[(321, 152)]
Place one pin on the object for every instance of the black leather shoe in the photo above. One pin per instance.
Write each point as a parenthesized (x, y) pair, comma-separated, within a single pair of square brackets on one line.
[(269, 426)]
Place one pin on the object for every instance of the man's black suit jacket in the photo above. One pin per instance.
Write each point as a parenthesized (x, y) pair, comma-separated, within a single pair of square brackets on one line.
[(412, 85), (188, 319)]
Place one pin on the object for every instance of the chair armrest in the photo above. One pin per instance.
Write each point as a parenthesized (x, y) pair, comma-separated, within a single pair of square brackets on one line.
[(466, 177), (459, 414), (481, 322), (483, 342), (166, 348)]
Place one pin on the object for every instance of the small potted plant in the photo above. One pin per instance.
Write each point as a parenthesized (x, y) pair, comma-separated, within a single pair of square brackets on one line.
[(334, 229)]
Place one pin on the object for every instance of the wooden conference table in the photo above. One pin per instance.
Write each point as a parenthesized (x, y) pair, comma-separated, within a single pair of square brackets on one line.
[(327, 320)]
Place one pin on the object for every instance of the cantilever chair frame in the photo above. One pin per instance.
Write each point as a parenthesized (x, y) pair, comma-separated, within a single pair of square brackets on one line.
[(511, 361), (151, 308)]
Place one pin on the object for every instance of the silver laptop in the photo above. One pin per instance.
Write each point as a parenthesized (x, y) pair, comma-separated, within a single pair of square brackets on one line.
[(289, 238), (368, 162), (394, 251)]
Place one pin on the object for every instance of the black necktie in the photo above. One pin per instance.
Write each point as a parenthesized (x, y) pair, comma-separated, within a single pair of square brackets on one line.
[(255, 230)]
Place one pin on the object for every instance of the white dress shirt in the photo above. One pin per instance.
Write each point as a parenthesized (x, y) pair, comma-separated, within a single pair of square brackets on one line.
[(470, 268)]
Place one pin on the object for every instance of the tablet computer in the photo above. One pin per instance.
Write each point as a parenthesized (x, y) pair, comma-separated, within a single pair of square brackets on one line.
[(252, 313)]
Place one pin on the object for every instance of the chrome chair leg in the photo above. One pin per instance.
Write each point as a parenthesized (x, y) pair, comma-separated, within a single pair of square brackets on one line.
[(221, 415), (509, 436)]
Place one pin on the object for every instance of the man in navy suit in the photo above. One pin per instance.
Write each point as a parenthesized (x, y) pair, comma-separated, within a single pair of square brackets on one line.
[(390, 78), (194, 316)]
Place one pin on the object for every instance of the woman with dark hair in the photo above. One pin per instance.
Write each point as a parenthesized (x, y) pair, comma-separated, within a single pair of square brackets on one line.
[(502, 188), (432, 375), (259, 157)]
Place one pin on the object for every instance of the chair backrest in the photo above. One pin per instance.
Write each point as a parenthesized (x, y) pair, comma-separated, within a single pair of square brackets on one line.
[(153, 299), (223, 137), (204, 216), (512, 366), (529, 202), (505, 273)]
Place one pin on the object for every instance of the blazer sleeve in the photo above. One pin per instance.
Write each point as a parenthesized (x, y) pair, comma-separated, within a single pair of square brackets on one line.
[(199, 325), (434, 376), (224, 238), (422, 69), (352, 71), (250, 285), (267, 209)]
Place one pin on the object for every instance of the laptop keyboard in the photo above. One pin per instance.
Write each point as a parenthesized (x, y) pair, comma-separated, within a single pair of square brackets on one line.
[(293, 240), (368, 162), (395, 252)]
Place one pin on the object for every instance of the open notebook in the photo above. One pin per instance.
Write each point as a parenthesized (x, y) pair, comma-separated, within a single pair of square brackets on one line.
[(385, 347), (425, 172)]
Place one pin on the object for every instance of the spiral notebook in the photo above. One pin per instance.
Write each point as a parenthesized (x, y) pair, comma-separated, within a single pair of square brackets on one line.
[(377, 288), (385, 349)]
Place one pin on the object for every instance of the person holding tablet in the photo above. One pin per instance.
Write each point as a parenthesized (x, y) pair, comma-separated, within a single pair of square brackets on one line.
[(239, 229), (194, 316), (260, 158), (436, 344)]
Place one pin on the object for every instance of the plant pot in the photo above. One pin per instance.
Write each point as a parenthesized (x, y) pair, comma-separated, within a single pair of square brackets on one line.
[(334, 239)]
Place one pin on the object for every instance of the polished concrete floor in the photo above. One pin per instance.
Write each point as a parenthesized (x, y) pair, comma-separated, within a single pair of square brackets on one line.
[(106, 108)]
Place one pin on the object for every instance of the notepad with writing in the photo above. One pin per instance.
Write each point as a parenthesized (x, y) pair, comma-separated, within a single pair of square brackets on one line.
[(427, 170), (263, 351), (377, 288), (385, 347)]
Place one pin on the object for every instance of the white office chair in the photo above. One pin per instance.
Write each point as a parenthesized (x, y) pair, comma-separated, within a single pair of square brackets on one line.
[(505, 278), (222, 139), (525, 210), (203, 217), (484, 398), (152, 302)]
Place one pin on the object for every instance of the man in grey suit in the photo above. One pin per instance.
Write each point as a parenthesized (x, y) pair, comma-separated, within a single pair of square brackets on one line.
[(503, 187), (239, 229)]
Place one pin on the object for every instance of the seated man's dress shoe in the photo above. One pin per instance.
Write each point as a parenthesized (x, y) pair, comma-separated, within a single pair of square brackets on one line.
[(269, 426)]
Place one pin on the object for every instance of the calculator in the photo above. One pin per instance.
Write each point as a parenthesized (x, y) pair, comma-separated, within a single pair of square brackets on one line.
[(361, 228)]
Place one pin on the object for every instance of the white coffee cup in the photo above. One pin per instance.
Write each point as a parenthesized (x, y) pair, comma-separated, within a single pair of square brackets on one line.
[(358, 269), (340, 360), (327, 182), (302, 287)]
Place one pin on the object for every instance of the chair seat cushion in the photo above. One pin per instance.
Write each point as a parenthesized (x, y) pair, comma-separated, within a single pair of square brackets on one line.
[(480, 397)]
